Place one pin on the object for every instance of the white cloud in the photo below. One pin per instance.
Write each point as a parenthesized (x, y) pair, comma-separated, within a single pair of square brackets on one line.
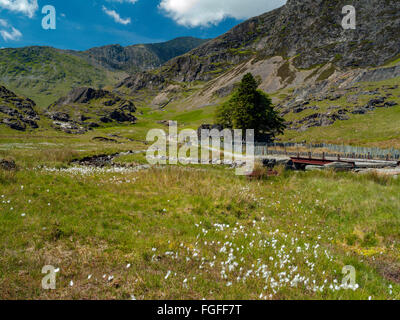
[(9, 33), (27, 7), (115, 15), (195, 13), (3, 23)]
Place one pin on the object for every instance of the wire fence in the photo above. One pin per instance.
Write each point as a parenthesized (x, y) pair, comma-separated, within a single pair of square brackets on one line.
[(326, 150)]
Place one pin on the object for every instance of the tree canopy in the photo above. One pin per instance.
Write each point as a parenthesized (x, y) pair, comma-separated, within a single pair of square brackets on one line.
[(249, 108)]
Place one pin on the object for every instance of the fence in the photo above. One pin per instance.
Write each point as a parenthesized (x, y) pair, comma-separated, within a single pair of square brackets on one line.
[(327, 150)]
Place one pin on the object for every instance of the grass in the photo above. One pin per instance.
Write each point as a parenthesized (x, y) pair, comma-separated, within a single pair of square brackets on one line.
[(378, 128), (194, 232)]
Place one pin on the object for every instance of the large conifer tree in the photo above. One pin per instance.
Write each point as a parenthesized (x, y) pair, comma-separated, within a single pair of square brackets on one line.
[(249, 108)]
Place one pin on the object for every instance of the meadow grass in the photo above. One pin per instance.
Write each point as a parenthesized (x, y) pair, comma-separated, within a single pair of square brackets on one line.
[(198, 232)]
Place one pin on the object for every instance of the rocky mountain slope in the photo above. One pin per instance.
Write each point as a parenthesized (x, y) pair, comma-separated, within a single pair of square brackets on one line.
[(305, 34), (17, 112), (140, 57), (86, 108)]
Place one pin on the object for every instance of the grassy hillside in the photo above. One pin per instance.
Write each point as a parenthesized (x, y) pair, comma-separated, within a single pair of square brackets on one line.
[(44, 74), (380, 127)]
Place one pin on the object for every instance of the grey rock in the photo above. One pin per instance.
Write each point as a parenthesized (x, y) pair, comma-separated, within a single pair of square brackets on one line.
[(339, 166), (8, 165), (314, 168)]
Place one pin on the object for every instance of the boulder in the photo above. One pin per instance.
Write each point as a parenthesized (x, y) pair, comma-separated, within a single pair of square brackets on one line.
[(339, 166), (15, 124), (121, 116), (59, 116), (314, 168), (7, 165)]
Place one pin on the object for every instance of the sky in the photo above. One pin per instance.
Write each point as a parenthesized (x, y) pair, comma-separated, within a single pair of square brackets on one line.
[(83, 24)]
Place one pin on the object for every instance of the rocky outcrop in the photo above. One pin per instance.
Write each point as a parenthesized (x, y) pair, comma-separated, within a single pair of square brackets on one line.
[(86, 108), (379, 74), (18, 113), (318, 120), (141, 81), (84, 95)]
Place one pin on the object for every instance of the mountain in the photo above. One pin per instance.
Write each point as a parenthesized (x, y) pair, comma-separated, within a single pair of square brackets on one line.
[(140, 57), (309, 31), (17, 112), (44, 73), (301, 43)]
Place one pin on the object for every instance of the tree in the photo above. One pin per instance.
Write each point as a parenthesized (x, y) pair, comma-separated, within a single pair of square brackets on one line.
[(249, 108)]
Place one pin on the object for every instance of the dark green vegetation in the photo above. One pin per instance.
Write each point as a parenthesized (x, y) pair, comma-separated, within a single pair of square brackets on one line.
[(249, 108)]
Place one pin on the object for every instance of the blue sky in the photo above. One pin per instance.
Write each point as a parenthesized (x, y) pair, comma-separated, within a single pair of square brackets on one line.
[(82, 24)]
